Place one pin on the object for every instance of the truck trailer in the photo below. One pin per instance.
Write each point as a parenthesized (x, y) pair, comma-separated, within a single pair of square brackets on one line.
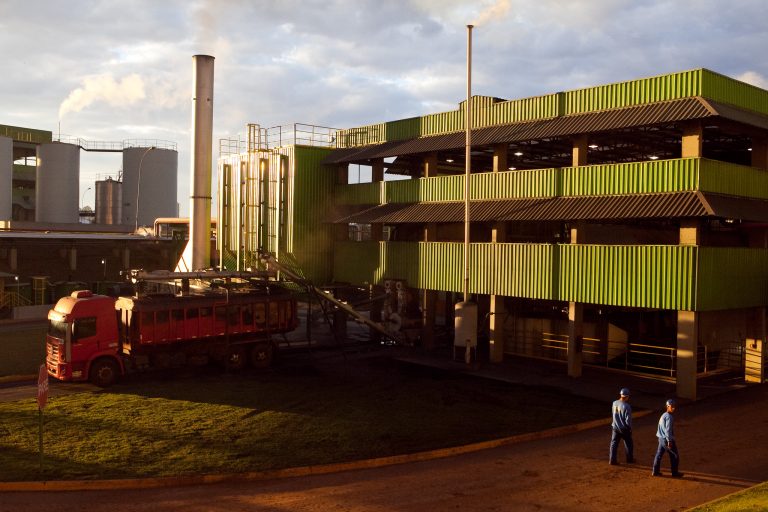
[(100, 338)]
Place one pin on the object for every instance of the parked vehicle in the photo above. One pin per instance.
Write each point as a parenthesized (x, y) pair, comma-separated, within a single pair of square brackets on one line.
[(99, 338)]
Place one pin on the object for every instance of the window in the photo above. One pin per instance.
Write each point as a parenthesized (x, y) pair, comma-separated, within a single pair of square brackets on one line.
[(161, 317), (57, 329), (178, 314), (84, 328), (234, 315), (147, 318), (192, 313)]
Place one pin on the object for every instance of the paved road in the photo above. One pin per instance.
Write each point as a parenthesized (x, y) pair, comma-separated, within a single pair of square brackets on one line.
[(721, 440)]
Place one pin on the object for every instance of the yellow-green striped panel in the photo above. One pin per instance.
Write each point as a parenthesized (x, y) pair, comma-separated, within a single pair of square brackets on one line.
[(732, 277)]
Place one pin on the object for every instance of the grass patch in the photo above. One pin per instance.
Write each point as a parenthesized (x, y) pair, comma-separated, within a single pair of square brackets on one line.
[(752, 499), (285, 418)]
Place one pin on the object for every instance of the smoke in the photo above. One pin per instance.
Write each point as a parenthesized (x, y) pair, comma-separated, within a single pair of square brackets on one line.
[(104, 88), (492, 12)]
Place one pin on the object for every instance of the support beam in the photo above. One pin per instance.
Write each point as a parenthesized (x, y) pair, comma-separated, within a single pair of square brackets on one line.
[(430, 165), (693, 140), (72, 258), (500, 157), (13, 259), (760, 152), (690, 232), (126, 258), (429, 304), (498, 312), (575, 338), (377, 170), (580, 148), (687, 344)]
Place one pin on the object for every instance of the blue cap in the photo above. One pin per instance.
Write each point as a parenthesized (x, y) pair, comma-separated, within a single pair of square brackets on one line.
[(672, 402), (624, 392)]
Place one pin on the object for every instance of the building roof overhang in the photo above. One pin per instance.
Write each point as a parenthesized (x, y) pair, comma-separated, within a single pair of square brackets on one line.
[(659, 113)]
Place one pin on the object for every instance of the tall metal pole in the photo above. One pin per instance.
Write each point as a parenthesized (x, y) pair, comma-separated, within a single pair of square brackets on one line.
[(202, 142), (138, 185), (467, 160)]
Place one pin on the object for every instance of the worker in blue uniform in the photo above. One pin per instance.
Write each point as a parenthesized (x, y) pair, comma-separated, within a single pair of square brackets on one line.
[(621, 428), (667, 444)]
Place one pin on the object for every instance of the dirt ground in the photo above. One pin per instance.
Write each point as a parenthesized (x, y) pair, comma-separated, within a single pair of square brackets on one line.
[(721, 441)]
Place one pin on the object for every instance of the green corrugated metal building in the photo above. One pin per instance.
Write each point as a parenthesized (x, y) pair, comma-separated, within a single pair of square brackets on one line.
[(622, 225)]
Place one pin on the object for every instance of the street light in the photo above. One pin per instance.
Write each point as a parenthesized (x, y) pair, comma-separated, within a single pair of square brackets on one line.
[(138, 184), (82, 198), (16, 278), (104, 264)]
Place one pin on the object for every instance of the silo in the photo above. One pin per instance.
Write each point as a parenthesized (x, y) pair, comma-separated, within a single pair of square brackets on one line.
[(6, 178), (149, 181), (109, 201), (58, 182)]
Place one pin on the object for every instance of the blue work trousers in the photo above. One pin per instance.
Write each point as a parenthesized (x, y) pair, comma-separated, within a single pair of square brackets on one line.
[(617, 436), (674, 456)]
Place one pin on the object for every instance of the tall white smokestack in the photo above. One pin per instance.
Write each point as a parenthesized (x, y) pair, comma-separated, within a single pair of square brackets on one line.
[(202, 143)]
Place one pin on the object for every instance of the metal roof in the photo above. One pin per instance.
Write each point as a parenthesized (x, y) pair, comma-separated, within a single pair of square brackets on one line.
[(636, 206), (592, 122)]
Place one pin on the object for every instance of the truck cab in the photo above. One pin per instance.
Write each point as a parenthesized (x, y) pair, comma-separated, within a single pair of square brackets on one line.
[(82, 340)]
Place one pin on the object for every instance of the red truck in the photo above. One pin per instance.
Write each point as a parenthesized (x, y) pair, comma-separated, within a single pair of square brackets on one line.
[(99, 338)]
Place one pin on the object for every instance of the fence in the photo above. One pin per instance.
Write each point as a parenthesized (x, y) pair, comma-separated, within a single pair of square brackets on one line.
[(646, 358)]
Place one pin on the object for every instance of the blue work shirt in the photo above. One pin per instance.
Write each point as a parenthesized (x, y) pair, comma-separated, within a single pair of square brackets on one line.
[(666, 431), (622, 416)]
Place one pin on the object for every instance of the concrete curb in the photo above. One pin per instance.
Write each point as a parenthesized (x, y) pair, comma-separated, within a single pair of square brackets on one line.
[(723, 498), (179, 481)]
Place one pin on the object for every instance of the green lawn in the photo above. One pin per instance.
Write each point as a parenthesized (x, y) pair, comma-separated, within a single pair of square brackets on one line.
[(754, 499), (293, 416)]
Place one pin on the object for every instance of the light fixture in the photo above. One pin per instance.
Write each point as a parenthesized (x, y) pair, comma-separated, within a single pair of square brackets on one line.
[(653, 157), (593, 146), (518, 153), (749, 149), (512, 168), (449, 160)]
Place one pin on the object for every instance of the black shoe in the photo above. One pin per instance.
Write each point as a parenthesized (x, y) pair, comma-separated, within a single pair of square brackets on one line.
[(677, 475), (613, 463), (655, 474), (630, 461)]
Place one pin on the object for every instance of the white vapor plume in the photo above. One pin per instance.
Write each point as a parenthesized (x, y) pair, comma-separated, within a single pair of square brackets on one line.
[(753, 78), (493, 12), (105, 88)]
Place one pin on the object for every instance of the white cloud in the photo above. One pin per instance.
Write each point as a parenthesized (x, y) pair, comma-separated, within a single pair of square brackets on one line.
[(104, 88), (753, 78)]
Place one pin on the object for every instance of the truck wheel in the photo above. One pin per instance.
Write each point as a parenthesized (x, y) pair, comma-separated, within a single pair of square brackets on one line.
[(236, 359), (104, 372), (262, 355)]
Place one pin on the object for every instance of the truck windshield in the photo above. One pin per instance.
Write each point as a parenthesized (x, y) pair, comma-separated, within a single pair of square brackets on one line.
[(57, 329)]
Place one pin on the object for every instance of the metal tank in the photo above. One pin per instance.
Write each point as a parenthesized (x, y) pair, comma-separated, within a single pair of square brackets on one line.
[(58, 183), (149, 184), (6, 178), (109, 201)]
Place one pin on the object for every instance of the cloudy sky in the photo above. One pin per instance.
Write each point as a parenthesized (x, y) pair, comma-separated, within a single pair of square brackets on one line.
[(115, 70)]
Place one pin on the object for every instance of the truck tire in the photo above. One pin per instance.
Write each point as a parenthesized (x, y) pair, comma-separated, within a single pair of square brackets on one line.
[(262, 355), (236, 358), (104, 372)]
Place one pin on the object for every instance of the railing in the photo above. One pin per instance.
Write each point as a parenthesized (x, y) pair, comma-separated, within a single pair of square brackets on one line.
[(10, 299), (636, 357), (115, 146)]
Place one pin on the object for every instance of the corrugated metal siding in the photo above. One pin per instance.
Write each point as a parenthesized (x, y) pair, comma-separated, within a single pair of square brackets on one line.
[(632, 276), (632, 178), (360, 193), (649, 276), (403, 129), (527, 109), (635, 92), (722, 88), (732, 277), (734, 180)]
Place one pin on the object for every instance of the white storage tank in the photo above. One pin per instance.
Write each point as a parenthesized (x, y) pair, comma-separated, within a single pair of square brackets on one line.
[(149, 179), (58, 183), (6, 178), (109, 201)]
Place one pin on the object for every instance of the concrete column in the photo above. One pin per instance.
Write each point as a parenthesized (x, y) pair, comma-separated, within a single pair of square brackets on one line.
[(429, 303), (430, 165), (126, 258), (72, 258), (500, 157), (13, 259), (754, 357), (575, 338), (760, 152), (687, 345), (377, 170), (342, 174), (498, 313), (580, 148), (690, 234), (693, 140)]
